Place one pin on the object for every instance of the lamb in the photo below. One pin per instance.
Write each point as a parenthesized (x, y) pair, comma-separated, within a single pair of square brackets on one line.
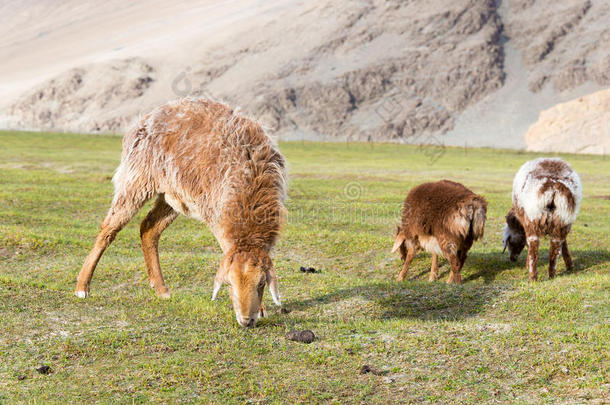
[(443, 218), (546, 200), (203, 160)]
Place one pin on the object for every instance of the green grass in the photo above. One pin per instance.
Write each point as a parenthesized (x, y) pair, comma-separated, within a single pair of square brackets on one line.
[(496, 338)]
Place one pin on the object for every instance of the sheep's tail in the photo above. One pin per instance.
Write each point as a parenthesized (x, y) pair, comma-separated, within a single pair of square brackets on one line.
[(558, 200), (477, 223), (469, 218)]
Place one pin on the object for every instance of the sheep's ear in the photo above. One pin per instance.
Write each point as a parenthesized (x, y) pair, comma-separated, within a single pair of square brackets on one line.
[(400, 238), (273, 287), (506, 243)]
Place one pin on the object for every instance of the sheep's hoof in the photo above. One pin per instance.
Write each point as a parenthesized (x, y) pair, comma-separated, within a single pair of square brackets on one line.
[(165, 294), (81, 294), (454, 280)]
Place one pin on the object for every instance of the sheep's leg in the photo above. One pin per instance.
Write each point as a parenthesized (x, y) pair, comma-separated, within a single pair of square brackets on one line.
[(453, 256), (532, 256), (567, 257), (553, 254), (434, 268), (120, 213), (463, 255), (410, 255), (456, 265), (157, 220)]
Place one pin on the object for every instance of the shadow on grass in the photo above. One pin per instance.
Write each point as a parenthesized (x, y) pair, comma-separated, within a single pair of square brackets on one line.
[(420, 300), (491, 264), (585, 259), (438, 300), (484, 265)]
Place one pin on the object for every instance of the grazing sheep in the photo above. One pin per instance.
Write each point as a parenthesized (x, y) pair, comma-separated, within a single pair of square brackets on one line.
[(546, 200), (443, 218), (203, 160)]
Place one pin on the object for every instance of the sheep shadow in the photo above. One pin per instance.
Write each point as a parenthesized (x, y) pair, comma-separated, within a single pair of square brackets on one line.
[(417, 300), (438, 300), (484, 265), (585, 259), (493, 264)]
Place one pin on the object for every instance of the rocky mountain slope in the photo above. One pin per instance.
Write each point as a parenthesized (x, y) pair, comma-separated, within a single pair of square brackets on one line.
[(408, 71), (578, 126)]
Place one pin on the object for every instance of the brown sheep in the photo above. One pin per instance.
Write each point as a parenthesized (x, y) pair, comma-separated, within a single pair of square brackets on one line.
[(203, 160), (546, 200), (443, 218)]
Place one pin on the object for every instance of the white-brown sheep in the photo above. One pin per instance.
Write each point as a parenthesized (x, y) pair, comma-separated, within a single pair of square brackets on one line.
[(546, 200)]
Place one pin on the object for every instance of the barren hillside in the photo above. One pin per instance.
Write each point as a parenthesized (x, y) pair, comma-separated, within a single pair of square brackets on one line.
[(578, 126), (468, 71)]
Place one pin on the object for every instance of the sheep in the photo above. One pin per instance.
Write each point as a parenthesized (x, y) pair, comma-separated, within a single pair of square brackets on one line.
[(546, 201), (442, 218), (203, 160)]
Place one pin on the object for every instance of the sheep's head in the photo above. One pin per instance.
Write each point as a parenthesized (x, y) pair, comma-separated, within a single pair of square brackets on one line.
[(247, 274), (514, 236)]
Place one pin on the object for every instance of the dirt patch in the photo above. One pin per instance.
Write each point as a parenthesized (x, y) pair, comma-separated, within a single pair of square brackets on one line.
[(303, 336), (6, 253)]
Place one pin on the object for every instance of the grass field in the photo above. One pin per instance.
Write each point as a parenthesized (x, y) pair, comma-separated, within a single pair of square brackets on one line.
[(496, 338)]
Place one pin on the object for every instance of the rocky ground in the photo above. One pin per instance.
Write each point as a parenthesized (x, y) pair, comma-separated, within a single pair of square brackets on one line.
[(472, 71)]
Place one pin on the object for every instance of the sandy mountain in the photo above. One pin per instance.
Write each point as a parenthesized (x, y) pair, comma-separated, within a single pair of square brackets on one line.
[(578, 126), (467, 71)]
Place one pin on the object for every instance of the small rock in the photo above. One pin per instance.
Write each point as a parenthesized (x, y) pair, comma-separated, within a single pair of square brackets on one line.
[(44, 369), (284, 310), (303, 336), (21, 378)]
